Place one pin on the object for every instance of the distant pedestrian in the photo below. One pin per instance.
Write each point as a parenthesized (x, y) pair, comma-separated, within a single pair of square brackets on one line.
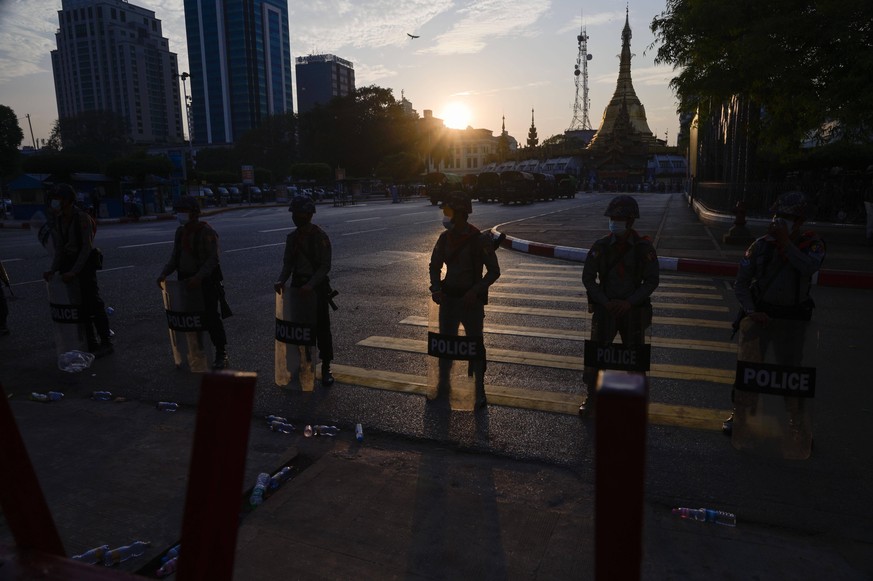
[(773, 285), (306, 262), (77, 260), (395, 194), (620, 274), (463, 293), (196, 259)]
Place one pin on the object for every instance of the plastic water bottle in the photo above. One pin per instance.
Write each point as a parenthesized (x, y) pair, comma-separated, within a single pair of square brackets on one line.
[(261, 485), (167, 568), (75, 361), (93, 556), (110, 311), (271, 418), (167, 406), (171, 554), (359, 432), (282, 427), (101, 395), (277, 479), (322, 430), (46, 397), (707, 515), (307, 431), (135, 549)]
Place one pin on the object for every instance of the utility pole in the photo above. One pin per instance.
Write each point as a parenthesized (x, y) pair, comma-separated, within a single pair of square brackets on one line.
[(31, 130)]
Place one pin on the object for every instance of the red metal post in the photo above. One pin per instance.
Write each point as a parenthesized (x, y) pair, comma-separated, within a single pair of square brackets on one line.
[(620, 434), (215, 478)]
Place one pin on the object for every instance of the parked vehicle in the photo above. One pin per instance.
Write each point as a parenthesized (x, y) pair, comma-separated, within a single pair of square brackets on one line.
[(566, 185), (440, 184), (545, 186), (234, 195), (517, 186), (255, 195), (488, 187)]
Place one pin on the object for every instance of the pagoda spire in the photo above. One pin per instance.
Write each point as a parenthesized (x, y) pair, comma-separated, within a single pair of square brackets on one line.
[(532, 139)]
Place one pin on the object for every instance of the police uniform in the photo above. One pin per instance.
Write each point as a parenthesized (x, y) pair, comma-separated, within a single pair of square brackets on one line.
[(617, 269), (464, 254), (307, 262), (196, 254)]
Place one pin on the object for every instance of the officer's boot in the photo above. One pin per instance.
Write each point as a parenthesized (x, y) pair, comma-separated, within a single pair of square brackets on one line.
[(221, 359), (326, 376)]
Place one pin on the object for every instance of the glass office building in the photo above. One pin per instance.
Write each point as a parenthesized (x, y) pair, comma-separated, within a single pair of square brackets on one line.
[(320, 78), (239, 53)]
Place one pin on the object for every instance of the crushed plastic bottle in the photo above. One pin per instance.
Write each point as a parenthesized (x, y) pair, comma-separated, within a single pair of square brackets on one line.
[(307, 431), (271, 418), (101, 395), (110, 311), (171, 554), (261, 485), (277, 479), (47, 397), (93, 556), (359, 432), (121, 554), (167, 568), (282, 427), (167, 406), (707, 515), (75, 361), (322, 430)]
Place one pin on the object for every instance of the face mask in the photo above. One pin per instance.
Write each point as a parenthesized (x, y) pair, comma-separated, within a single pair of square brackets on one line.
[(182, 217), (447, 222), (300, 221), (56, 204), (617, 227)]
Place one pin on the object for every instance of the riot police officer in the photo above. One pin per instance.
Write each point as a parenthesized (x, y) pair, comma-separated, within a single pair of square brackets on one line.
[(196, 258), (307, 262), (620, 274), (463, 293), (773, 282)]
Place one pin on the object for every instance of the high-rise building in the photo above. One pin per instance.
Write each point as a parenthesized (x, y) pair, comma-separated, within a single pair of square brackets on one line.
[(111, 56), (239, 52), (320, 78)]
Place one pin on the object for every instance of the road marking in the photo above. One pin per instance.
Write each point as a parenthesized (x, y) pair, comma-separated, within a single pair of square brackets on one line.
[(364, 219), (275, 230), (116, 268), (253, 247), (582, 300), (363, 231), (680, 321), (581, 335), (547, 401), (146, 244), (572, 363), (578, 287), (12, 259)]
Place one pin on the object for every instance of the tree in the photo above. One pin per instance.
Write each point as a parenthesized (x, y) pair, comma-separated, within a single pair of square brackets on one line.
[(103, 134), (800, 63), (60, 165), (273, 145), (400, 167), (11, 137), (138, 167)]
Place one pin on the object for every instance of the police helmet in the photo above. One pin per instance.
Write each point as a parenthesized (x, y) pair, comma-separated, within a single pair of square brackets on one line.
[(187, 204), (622, 207), (791, 204), (459, 202), (301, 204), (64, 192)]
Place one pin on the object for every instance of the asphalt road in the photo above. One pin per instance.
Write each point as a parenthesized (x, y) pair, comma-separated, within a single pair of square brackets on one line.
[(535, 321)]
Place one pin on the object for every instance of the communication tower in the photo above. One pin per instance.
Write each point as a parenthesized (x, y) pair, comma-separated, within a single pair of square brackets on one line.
[(580, 72)]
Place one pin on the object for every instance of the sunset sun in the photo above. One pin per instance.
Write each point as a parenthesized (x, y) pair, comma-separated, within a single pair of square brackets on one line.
[(456, 115)]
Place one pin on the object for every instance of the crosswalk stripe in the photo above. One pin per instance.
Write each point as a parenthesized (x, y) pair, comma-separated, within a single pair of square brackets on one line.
[(691, 284), (583, 300), (580, 289), (665, 371), (548, 401), (532, 311), (578, 335)]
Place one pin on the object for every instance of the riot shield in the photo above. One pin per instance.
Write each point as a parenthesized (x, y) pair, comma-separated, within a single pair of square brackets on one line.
[(774, 388), (456, 360), (295, 340), (187, 326), (69, 323), (621, 343)]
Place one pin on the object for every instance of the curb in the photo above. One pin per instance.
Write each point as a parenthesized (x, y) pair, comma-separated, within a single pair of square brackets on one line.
[(835, 278)]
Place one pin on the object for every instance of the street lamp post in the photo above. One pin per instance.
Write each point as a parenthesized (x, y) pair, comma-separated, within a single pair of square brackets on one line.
[(185, 76)]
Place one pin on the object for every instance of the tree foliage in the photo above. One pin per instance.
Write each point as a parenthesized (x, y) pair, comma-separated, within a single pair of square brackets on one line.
[(103, 134), (400, 166), (11, 137), (272, 145), (61, 166), (356, 131), (804, 62), (139, 166)]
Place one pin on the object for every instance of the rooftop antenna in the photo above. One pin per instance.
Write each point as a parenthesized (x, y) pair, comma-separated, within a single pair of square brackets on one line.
[(580, 73)]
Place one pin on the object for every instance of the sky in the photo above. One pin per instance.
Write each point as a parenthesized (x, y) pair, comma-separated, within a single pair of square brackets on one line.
[(474, 63)]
